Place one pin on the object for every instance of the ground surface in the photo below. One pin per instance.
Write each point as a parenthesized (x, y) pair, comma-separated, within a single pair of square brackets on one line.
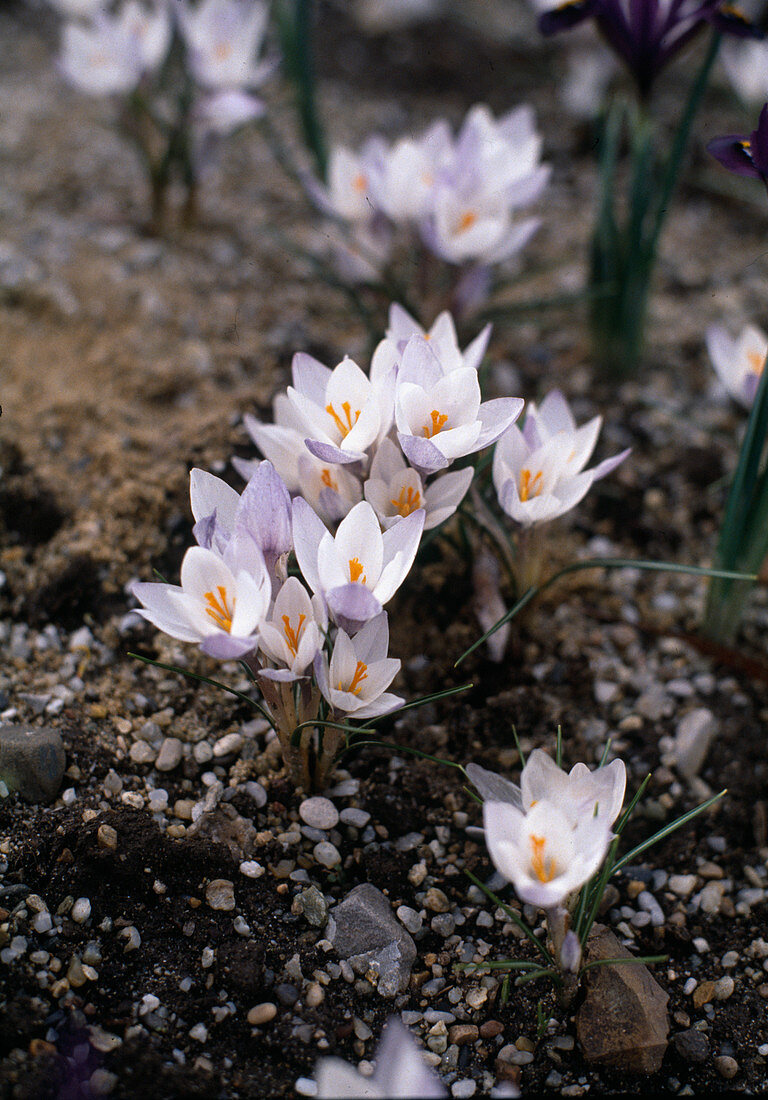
[(127, 360)]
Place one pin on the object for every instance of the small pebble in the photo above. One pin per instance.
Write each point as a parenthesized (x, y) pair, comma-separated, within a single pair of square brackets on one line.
[(220, 894), (199, 1032), (228, 745), (327, 854), (251, 869), (262, 1014), (80, 911), (319, 813), (436, 900), (727, 1067), (462, 1090), (169, 757), (410, 919), (357, 818)]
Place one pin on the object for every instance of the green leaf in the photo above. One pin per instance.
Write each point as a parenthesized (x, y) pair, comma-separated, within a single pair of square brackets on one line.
[(663, 833), (513, 916)]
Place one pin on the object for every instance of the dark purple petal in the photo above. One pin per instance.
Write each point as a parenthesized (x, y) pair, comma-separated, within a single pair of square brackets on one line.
[(565, 16), (733, 153)]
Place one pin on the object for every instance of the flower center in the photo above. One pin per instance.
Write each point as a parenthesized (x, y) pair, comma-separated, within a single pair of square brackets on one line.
[(361, 673), (291, 635), (756, 362), (328, 480), (356, 571), (347, 423), (530, 486), (219, 609), (544, 868), (222, 51), (408, 501), (438, 421), (466, 221)]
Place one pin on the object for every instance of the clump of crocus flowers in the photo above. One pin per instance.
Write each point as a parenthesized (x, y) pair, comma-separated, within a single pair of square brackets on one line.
[(458, 199), (183, 76)]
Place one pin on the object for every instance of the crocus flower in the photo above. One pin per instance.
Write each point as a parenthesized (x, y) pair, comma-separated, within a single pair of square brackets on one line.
[(223, 38), (443, 341), (745, 155), (646, 34), (395, 489), (221, 602), (440, 416), (261, 514), (539, 472), (111, 53), (355, 679), (349, 181), (401, 1073), (342, 410), (359, 569), (291, 636), (739, 363), (220, 113)]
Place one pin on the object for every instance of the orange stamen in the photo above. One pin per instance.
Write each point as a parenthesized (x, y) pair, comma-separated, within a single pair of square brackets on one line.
[(530, 486), (291, 635), (361, 673), (466, 221), (438, 420), (345, 427), (359, 183), (222, 50), (219, 609), (544, 869), (355, 571), (408, 501)]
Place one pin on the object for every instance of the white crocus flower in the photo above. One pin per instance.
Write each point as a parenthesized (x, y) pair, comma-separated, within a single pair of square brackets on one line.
[(343, 412), (356, 679), (395, 489), (349, 192), (221, 602), (401, 1073), (358, 570), (102, 57), (405, 181), (292, 635), (440, 417), (469, 227), (739, 363), (548, 852), (223, 38), (746, 63), (442, 339), (539, 472), (598, 793)]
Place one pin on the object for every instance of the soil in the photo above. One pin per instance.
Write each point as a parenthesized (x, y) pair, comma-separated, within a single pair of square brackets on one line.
[(127, 360)]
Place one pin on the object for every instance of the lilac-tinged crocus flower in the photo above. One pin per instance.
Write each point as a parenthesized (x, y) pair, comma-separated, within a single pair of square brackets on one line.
[(292, 635), (539, 472), (224, 38), (359, 569), (551, 836), (356, 678), (440, 416), (745, 155), (111, 53), (343, 412), (395, 489), (443, 341), (646, 34), (221, 602), (401, 1072), (740, 362)]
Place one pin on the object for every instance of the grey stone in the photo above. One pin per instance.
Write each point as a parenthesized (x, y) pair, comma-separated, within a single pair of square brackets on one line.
[(169, 757), (319, 812), (313, 906), (623, 1020), (692, 740), (364, 930), (691, 1045), (32, 761)]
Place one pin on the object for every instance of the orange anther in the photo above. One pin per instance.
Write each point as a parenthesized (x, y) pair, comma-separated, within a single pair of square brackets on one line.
[(291, 635), (345, 426), (543, 868), (530, 486), (438, 421), (219, 609), (408, 501), (355, 571)]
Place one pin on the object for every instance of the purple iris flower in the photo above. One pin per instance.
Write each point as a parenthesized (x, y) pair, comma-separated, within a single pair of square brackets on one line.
[(745, 155), (646, 34)]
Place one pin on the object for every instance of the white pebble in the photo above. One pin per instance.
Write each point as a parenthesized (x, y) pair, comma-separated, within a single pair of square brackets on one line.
[(462, 1090), (199, 1032), (327, 854), (251, 868), (319, 812), (81, 911)]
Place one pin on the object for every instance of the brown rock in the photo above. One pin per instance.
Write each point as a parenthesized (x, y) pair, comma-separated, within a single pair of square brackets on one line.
[(623, 1020), (703, 994), (490, 1029), (462, 1033)]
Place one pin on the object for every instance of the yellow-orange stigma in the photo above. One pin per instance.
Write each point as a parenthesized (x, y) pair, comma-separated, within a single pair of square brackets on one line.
[(356, 571), (222, 50), (359, 183), (345, 425), (756, 362), (438, 421), (466, 221), (361, 673), (328, 480), (219, 609), (408, 501), (530, 486), (543, 868), (291, 635)]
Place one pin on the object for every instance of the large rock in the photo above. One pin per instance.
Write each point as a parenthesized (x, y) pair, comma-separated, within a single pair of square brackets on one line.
[(623, 1020), (32, 761), (364, 930)]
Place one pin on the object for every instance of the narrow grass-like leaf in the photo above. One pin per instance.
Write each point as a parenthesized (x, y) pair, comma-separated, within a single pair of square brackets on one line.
[(513, 916), (662, 834), (648, 960)]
